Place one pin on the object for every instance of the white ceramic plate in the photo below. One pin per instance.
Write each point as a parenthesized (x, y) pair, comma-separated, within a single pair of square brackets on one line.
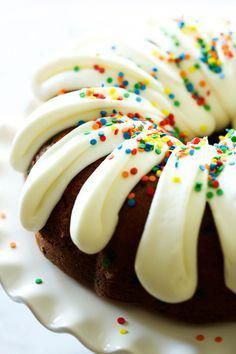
[(62, 305)]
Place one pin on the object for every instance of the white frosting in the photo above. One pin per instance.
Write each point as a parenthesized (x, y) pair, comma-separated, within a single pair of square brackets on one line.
[(137, 60), (57, 167), (59, 74), (223, 87), (169, 242), (64, 112), (95, 213), (224, 215), (170, 79)]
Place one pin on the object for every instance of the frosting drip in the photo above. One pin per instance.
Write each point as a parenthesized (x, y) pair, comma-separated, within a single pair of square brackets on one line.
[(169, 242), (99, 219), (67, 111)]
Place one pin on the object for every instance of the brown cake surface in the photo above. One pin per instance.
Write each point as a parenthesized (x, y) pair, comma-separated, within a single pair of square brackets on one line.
[(111, 271)]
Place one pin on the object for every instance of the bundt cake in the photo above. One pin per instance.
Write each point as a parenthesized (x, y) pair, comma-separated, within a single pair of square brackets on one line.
[(123, 189)]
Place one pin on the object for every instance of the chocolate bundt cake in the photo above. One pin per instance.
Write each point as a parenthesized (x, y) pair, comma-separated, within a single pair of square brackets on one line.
[(123, 189)]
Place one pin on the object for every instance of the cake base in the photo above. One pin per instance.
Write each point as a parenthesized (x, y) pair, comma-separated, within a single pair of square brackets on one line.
[(111, 274)]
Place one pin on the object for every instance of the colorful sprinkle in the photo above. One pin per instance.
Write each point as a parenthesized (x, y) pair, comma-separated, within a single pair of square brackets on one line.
[(103, 138), (150, 191), (198, 187), (109, 80), (128, 151), (2, 215), (209, 195), (13, 245), (93, 142), (176, 179), (145, 179), (126, 135), (200, 337), (125, 174), (218, 339), (177, 103), (134, 171), (219, 192), (121, 320), (131, 203), (152, 178)]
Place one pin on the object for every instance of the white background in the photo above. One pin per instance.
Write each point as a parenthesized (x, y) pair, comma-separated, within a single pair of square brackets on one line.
[(30, 30)]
